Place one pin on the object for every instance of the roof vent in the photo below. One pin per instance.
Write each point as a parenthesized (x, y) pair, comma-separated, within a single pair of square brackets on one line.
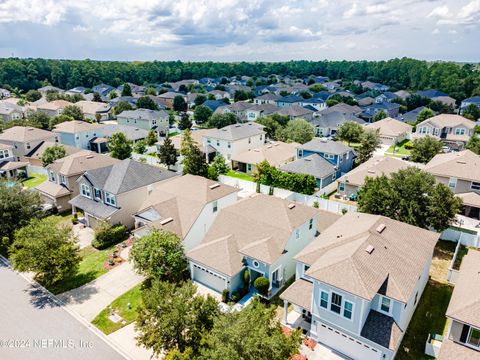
[(461, 162), (291, 206), (238, 125), (371, 171), (166, 221), (90, 156), (380, 228), (214, 186), (307, 159), (269, 146), (369, 249)]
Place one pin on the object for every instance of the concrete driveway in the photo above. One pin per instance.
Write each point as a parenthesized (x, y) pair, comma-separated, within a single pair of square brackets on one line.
[(88, 300), (84, 235)]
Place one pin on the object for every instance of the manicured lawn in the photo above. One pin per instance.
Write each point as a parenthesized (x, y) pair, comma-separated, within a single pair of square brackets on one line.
[(399, 148), (34, 180), (175, 133), (120, 306), (91, 267), (239, 175)]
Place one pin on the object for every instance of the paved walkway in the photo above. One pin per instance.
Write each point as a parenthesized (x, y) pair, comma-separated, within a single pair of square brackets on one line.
[(125, 340), (84, 235), (89, 299)]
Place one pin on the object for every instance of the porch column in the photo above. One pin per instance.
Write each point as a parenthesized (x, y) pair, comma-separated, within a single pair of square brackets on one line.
[(285, 311)]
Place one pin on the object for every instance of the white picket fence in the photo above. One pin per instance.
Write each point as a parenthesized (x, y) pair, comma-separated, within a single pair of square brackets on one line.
[(248, 188)]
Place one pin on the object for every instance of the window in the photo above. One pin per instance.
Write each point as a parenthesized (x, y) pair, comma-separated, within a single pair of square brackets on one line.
[(336, 304), (416, 299), (97, 193), (423, 130), (297, 234), (385, 304), (310, 224), (341, 187), (261, 136), (347, 310), (474, 337), (63, 180), (460, 131), (85, 191), (475, 186), (249, 140), (329, 156), (218, 142), (209, 140), (300, 153), (249, 167), (255, 263), (28, 145), (3, 154), (452, 183), (110, 199), (52, 177), (334, 176), (215, 206), (324, 299)]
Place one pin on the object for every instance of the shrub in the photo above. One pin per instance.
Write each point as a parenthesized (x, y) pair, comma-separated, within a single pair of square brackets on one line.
[(246, 279), (408, 145), (258, 187), (239, 294), (262, 284), (107, 235), (225, 294), (344, 211), (316, 205)]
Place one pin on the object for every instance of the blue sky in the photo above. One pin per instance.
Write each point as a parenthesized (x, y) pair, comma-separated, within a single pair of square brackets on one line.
[(234, 30)]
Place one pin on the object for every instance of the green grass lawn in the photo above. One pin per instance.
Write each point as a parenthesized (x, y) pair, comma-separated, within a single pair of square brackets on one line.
[(120, 305), (91, 267), (399, 148), (172, 134), (429, 317), (239, 175), (34, 180)]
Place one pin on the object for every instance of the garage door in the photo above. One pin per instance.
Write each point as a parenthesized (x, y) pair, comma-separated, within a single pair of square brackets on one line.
[(208, 278), (92, 221), (346, 344), (386, 140)]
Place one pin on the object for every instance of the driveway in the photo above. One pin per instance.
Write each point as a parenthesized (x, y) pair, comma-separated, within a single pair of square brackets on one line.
[(38, 327), (88, 300), (125, 340), (380, 151), (84, 235)]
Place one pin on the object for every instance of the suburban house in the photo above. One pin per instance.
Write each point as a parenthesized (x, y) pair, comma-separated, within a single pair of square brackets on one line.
[(349, 183), (26, 138), (186, 205), (145, 119), (402, 94), (9, 168), (235, 139), (78, 133), (327, 124), (321, 169), (261, 235), (4, 93), (239, 109), (296, 112), (289, 100), (344, 109), (463, 338), (10, 112), (315, 104), (113, 193), (63, 173), (96, 111), (266, 99), (53, 108), (276, 153), (391, 131), (167, 98), (387, 96), (254, 112), (358, 284), (391, 109), (34, 157), (470, 101), (44, 90), (460, 171), (431, 93), (338, 154), (453, 130), (410, 116), (132, 133)]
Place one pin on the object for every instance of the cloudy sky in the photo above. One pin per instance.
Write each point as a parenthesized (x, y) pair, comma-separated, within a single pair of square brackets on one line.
[(234, 30)]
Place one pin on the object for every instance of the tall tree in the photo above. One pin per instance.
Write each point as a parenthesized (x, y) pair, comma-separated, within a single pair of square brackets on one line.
[(122, 106), (369, 142), (299, 131), (167, 153), (73, 111), (97, 97), (425, 114), (379, 116), (52, 153), (250, 334), (474, 144), (350, 132), (270, 126), (172, 317), (47, 249), (472, 112), (411, 196), (33, 95), (194, 161), (199, 100), (146, 102), (179, 103), (151, 138), (119, 146), (424, 149), (54, 121), (127, 90), (40, 118), (220, 164), (185, 122), (202, 114), (221, 120)]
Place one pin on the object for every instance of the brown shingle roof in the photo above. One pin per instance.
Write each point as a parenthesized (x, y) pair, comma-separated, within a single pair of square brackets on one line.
[(338, 256), (276, 153), (80, 162), (465, 302), (299, 293), (52, 189), (25, 134), (75, 126), (390, 127), (451, 350), (448, 120), (463, 165)]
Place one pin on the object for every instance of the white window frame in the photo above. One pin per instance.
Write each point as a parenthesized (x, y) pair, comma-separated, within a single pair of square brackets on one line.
[(452, 182), (95, 196), (320, 299), (469, 337), (215, 206), (345, 309), (333, 304), (460, 131), (63, 179), (108, 199), (52, 177), (390, 305), (310, 224), (341, 186), (85, 191)]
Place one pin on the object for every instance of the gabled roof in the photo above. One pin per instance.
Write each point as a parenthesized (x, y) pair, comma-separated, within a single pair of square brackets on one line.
[(258, 227), (25, 134), (126, 175), (75, 126), (294, 111), (93, 107), (268, 97), (291, 99), (237, 131), (325, 146), (343, 108), (143, 114), (276, 153), (314, 165), (431, 93), (131, 132), (80, 162), (463, 165), (390, 127), (474, 100), (448, 120), (334, 119), (54, 105), (38, 151), (367, 254), (465, 301)]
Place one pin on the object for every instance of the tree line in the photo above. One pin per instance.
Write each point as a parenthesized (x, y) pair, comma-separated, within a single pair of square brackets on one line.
[(458, 80)]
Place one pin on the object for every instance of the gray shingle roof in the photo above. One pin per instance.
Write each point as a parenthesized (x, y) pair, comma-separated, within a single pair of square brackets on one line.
[(237, 131), (144, 114), (95, 208), (131, 132), (326, 146), (125, 176), (334, 119), (314, 165)]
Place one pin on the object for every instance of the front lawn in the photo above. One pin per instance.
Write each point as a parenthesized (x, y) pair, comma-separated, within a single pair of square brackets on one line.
[(121, 306), (172, 134), (400, 149), (91, 267), (239, 175), (34, 180)]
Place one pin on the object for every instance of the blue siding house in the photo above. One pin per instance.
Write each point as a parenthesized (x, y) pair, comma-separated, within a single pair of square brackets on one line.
[(338, 154)]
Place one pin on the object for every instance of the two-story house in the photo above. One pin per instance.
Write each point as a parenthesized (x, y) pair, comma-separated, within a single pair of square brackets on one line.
[(266, 99), (338, 154), (145, 119), (391, 109), (261, 235), (24, 139), (327, 124), (296, 112), (453, 130), (289, 100), (358, 284), (78, 133), (53, 108), (63, 173), (9, 167), (475, 100), (114, 193), (463, 337), (96, 111), (234, 139), (10, 111), (254, 112), (186, 205)]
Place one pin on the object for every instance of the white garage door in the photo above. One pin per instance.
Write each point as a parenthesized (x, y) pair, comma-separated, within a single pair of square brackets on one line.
[(346, 344), (209, 278)]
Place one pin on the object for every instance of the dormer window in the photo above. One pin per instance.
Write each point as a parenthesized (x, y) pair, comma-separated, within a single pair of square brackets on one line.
[(85, 191), (53, 178), (110, 199), (460, 131), (63, 180), (97, 193), (385, 305)]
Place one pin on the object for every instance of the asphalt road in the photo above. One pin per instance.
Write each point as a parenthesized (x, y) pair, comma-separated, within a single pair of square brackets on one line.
[(34, 326)]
